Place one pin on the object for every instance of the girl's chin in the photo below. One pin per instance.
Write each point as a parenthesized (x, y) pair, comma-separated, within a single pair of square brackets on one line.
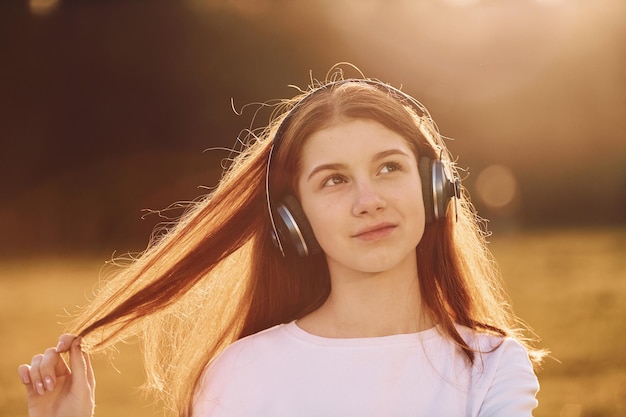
[(370, 263)]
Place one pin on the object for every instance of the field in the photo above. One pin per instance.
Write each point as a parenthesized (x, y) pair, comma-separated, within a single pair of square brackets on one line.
[(569, 286)]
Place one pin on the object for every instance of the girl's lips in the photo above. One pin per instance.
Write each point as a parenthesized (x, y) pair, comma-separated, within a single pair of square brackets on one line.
[(375, 232)]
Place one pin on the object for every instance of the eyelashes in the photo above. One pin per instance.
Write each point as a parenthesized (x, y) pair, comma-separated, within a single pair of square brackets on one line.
[(390, 166), (386, 168), (333, 180)]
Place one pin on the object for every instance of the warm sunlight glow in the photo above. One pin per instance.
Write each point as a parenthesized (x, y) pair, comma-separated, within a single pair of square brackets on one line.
[(482, 50), (42, 7)]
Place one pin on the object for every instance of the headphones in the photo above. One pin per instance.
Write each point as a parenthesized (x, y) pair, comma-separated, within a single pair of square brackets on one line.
[(291, 231)]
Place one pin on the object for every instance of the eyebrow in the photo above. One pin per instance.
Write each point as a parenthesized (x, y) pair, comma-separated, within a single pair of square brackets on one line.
[(339, 166)]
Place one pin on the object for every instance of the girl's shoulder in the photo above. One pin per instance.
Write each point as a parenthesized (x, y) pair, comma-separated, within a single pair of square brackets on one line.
[(500, 360), (489, 345), (250, 347)]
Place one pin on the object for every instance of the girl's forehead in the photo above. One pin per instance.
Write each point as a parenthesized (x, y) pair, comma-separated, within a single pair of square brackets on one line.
[(352, 138)]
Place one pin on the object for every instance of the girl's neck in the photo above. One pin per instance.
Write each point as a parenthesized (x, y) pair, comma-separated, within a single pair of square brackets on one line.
[(370, 305)]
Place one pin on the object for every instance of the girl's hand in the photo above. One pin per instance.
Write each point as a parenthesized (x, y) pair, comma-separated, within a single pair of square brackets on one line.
[(54, 389)]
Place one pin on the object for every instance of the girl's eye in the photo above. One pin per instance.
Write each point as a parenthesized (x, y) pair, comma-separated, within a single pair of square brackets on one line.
[(333, 180), (390, 167)]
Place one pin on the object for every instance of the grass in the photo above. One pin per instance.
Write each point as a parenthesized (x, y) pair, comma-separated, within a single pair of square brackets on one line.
[(570, 286)]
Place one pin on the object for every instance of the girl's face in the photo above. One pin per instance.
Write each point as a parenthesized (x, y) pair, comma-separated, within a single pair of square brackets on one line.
[(360, 189)]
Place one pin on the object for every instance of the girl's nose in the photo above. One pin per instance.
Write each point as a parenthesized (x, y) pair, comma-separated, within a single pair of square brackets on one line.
[(367, 200)]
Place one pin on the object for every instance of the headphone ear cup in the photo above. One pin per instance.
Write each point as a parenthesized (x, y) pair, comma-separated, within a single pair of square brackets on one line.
[(294, 230), (437, 188), (425, 168)]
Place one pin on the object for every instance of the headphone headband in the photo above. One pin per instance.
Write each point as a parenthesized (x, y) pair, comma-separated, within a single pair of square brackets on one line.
[(398, 94)]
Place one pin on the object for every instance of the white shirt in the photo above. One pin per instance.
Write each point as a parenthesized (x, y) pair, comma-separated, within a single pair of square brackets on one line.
[(285, 371)]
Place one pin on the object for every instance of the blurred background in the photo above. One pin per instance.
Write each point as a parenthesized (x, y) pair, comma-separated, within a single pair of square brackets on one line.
[(108, 109)]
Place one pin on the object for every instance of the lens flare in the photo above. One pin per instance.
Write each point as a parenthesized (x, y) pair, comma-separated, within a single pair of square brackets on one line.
[(498, 188)]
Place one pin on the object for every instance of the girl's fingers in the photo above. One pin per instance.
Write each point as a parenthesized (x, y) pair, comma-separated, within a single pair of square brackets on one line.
[(41, 375), (65, 342), (35, 377), (23, 372), (80, 364), (91, 379), (52, 366)]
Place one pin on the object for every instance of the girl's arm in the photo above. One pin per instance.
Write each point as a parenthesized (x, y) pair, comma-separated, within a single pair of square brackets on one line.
[(514, 387)]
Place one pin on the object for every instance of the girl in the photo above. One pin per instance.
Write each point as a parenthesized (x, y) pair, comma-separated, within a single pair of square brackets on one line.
[(325, 276)]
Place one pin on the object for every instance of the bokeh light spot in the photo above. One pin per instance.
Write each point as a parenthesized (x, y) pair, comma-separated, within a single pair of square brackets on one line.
[(497, 187)]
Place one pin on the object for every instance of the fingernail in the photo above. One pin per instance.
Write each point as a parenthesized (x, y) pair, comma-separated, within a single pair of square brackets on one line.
[(60, 345), (49, 383), (39, 387), (25, 379)]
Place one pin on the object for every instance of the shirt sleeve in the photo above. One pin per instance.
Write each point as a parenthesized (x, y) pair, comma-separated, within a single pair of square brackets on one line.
[(215, 386), (513, 389), (206, 402)]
